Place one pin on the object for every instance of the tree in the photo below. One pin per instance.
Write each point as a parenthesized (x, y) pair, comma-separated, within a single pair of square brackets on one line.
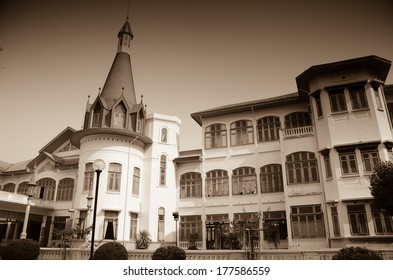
[(381, 186), (356, 253)]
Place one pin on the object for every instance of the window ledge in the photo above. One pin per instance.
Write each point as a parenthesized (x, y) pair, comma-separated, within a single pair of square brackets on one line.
[(350, 175), (339, 113), (361, 110)]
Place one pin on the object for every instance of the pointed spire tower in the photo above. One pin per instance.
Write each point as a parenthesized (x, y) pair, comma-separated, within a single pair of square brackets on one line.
[(120, 80), (115, 109)]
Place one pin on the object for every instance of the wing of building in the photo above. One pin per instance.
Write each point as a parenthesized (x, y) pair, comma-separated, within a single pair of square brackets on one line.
[(286, 172)]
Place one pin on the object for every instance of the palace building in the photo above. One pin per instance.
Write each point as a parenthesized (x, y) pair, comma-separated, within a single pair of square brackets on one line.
[(297, 164)]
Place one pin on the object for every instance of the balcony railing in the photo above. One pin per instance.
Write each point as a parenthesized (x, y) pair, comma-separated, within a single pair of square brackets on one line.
[(298, 131)]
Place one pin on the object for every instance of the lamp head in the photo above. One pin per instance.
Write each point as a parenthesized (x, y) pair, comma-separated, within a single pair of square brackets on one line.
[(98, 165)]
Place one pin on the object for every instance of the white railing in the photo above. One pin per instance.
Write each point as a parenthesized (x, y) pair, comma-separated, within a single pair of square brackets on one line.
[(272, 254), (13, 197), (298, 131)]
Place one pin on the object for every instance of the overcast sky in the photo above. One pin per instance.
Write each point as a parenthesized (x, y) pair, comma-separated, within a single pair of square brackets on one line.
[(187, 56)]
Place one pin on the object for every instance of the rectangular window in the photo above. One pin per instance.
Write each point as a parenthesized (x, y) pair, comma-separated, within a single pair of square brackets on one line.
[(348, 163), (335, 221), (383, 222), (133, 226), (307, 222), (328, 167), (337, 101), (88, 177), (370, 160), (268, 129), (136, 181), (378, 98), (110, 225), (357, 219), (114, 175), (318, 105), (358, 98), (188, 225)]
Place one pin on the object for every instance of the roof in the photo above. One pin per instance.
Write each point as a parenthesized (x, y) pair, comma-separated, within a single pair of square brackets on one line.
[(126, 28), (4, 166), (189, 156), (248, 106), (379, 65), (18, 167), (119, 82)]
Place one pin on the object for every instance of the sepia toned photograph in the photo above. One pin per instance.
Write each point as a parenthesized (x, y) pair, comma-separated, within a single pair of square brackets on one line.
[(196, 130)]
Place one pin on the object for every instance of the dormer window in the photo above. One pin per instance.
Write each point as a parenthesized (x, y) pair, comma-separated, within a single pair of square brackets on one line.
[(97, 116), (119, 120)]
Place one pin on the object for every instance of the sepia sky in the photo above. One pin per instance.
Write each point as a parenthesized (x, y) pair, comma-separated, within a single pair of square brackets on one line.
[(187, 56)]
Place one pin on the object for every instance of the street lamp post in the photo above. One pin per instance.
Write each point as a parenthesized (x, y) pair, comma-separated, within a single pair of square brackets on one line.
[(176, 218), (30, 192), (98, 166)]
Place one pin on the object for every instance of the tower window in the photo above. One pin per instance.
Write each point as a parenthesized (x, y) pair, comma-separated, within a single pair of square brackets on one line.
[(114, 176)]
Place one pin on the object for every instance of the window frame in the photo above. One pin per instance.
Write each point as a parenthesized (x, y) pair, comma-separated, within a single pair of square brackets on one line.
[(351, 166), (358, 221), (114, 177), (242, 133), (190, 185), (244, 181), (358, 98), (338, 102), (307, 224), (271, 175), (217, 183), (302, 168), (65, 189), (216, 136), (268, 129)]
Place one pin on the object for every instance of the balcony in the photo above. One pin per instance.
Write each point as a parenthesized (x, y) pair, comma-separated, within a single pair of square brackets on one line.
[(298, 131)]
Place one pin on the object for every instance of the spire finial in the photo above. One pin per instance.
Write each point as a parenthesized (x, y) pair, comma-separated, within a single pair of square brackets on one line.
[(128, 10)]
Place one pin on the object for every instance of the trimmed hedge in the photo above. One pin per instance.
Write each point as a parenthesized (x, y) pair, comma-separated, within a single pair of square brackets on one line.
[(169, 253), (356, 253), (111, 251), (21, 249)]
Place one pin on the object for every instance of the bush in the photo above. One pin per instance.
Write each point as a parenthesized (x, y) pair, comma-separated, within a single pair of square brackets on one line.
[(21, 249), (169, 253), (356, 253), (111, 251)]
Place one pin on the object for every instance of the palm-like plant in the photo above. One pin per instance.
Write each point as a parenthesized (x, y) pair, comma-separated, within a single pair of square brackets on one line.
[(143, 241)]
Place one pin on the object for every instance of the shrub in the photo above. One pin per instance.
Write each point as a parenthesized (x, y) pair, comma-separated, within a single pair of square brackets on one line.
[(21, 249), (356, 253), (169, 253), (111, 251)]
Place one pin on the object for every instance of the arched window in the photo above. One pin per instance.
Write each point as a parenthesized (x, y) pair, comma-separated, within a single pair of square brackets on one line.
[(88, 177), (242, 133), (271, 178), (65, 190), (297, 119), (23, 188), (215, 136), (217, 183), (114, 177), (302, 167), (161, 224), (268, 129), (46, 188), (9, 187), (119, 120), (164, 135), (191, 185), (244, 181), (163, 170)]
